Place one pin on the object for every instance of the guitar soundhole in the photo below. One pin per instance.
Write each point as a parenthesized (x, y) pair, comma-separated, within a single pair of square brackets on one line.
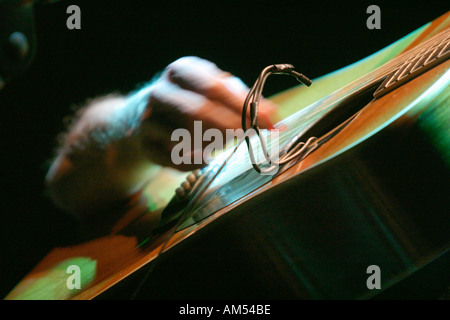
[(342, 112)]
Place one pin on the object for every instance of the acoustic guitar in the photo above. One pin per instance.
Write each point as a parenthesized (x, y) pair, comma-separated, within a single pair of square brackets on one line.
[(372, 194)]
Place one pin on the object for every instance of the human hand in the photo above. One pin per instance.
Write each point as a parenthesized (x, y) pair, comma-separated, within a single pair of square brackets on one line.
[(193, 89)]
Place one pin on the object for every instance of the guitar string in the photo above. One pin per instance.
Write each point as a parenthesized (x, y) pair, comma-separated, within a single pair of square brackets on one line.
[(385, 70), (376, 74), (184, 216), (318, 108), (306, 149)]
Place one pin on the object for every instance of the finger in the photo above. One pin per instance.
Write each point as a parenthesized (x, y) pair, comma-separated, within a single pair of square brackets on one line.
[(193, 73), (205, 78), (159, 150), (175, 107), (231, 91)]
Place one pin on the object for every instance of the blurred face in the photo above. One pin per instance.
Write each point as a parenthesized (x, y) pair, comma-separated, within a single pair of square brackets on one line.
[(17, 38)]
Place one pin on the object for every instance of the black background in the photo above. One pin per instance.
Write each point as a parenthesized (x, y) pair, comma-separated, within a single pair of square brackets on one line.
[(124, 43)]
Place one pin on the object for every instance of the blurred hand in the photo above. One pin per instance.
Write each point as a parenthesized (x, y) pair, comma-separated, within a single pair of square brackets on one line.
[(193, 89)]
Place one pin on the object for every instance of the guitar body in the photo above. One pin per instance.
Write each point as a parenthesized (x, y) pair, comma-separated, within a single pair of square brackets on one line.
[(315, 234), (373, 195)]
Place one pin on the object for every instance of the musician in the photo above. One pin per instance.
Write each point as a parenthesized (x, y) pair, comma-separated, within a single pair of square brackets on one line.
[(109, 151), (116, 144)]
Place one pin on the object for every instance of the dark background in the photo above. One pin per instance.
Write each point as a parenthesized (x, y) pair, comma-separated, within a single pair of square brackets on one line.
[(124, 43)]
